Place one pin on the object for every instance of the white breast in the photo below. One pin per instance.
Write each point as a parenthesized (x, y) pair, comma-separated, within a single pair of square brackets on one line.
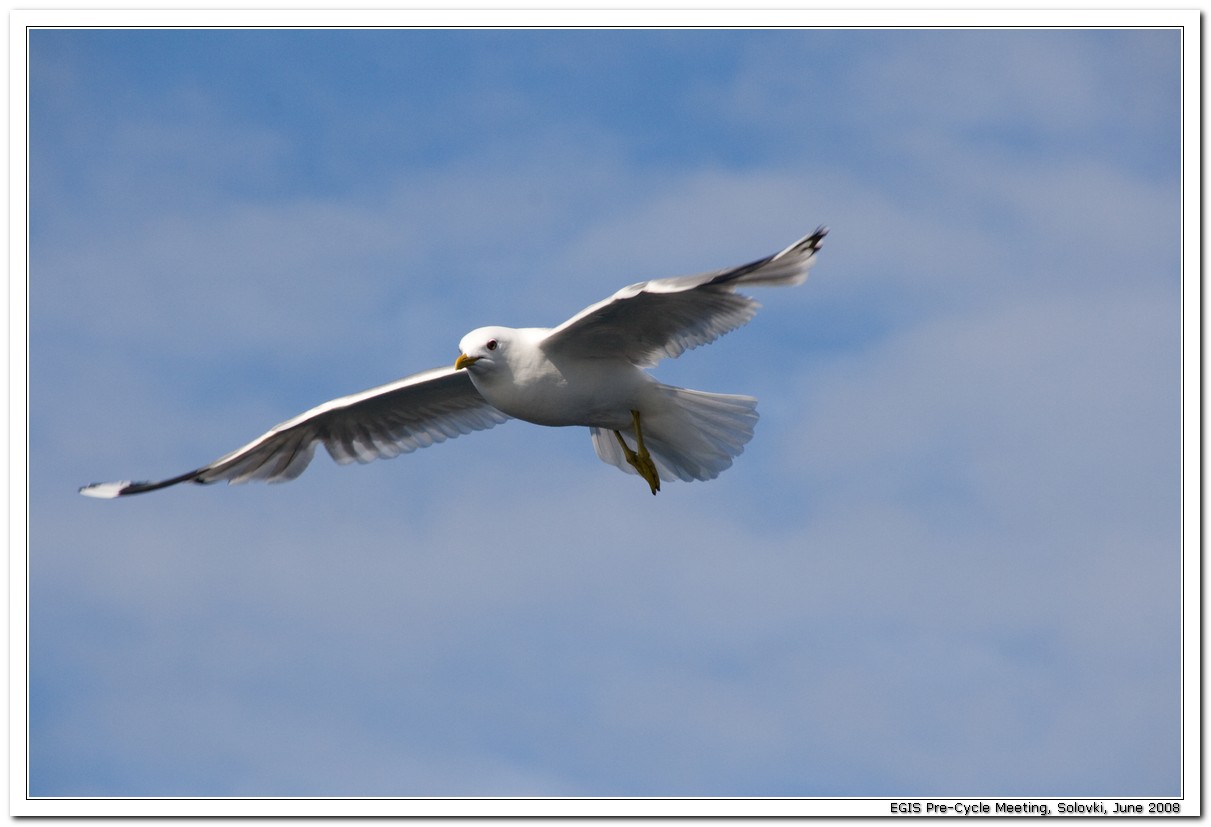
[(573, 391)]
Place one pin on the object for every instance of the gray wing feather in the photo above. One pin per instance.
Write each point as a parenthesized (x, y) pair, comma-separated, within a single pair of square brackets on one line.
[(663, 318), (379, 423)]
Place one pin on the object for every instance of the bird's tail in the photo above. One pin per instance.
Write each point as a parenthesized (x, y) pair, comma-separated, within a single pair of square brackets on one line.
[(695, 437)]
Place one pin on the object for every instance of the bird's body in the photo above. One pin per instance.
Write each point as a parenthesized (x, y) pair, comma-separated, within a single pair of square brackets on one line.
[(589, 371), (528, 383)]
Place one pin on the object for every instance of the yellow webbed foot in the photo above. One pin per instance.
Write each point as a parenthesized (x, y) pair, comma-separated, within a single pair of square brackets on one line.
[(640, 460), (647, 470)]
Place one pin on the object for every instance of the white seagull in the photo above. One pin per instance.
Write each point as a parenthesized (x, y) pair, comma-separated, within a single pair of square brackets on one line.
[(589, 371)]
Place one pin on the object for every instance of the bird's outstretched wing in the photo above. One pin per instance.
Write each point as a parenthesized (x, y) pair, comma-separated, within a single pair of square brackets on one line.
[(378, 423), (663, 318)]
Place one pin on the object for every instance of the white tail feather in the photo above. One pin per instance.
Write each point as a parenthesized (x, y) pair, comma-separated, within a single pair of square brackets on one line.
[(695, 437)]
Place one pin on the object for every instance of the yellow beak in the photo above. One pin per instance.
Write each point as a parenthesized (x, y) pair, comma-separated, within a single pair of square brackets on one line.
[(464, 360)]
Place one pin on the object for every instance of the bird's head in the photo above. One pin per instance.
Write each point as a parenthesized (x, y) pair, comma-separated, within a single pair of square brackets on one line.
[(484, 347)]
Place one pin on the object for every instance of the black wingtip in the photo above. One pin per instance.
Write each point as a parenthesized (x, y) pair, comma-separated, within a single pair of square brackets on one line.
[(113, 490), (808, 244)]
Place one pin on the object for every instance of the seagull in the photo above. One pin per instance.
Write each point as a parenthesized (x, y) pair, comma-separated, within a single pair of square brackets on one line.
[(590, 371)]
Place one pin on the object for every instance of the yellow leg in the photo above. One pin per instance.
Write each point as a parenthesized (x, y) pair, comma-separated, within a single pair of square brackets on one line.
[(641, 461)]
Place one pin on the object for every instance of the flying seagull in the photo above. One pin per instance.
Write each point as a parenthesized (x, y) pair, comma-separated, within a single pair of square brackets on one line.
[(588, 371)]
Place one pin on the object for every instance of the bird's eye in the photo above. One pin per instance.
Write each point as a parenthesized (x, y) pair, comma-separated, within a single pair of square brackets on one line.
[(491, 344)]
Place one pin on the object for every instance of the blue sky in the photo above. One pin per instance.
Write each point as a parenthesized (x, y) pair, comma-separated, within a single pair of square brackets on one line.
[(948, 563)]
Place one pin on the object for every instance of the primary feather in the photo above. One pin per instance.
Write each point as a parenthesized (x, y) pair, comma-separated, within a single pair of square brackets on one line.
[(382, 422), (663, 318)]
